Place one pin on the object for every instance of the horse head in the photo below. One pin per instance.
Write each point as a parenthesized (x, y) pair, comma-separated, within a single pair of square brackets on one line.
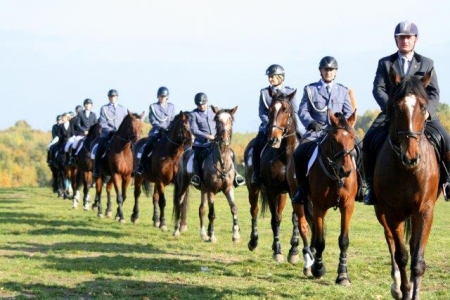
[(224, 125), (338, 146), (408, 114), (131, 128), (281, 119), (179, 131)]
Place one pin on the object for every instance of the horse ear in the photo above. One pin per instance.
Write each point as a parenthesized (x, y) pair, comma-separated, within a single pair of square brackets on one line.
[(292, 95), (215, 109), (233, 110), (394, 77), (352, 119), (426, 79), (334, 121)]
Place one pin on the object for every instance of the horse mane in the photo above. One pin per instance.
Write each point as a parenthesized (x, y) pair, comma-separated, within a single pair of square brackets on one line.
[(93, 128), (409, 85)]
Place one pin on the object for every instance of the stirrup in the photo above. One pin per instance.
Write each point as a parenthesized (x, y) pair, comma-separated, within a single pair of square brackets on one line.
[(446, 191), (195, 180), (238, 180)]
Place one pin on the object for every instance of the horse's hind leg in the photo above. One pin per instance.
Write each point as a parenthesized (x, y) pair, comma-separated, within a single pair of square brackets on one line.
[(180, 198), (108, 211), (98, 196), (346, 215), (234, 212), (318, 243), (211, 218), (253, 194), (201, 214), (293, 256), (162, 206), (137, 193)]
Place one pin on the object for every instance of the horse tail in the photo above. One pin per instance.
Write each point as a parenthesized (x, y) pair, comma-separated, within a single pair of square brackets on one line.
[(184, 204), (309, 214), (264, 202), (147, 188)]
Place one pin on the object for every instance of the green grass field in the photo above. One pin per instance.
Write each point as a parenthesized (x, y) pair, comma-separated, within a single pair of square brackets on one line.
[(50, 251)]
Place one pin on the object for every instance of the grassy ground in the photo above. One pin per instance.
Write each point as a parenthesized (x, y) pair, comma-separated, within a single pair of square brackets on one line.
[(50, 251)]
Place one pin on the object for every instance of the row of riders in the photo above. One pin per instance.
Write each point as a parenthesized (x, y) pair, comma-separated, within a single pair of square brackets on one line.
[(325, 109)]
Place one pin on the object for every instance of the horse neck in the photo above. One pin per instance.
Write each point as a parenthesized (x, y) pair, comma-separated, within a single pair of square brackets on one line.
[(290, 141)]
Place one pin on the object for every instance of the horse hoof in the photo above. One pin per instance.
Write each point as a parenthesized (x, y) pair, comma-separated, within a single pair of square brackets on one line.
[(293, 259), (100, 216), (163, 228), (122, 221), (183, 228), (343, 280), (307, 272), (236, 238), (213, 240), (134, 221), (108, 214), (318, 271), (156, 224), (204, 238), (395, 292), (252, 245), (176, 233), (278, 258)]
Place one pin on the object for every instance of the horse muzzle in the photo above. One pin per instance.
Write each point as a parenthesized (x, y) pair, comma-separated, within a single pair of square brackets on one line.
[(408, 162), (275, 142)]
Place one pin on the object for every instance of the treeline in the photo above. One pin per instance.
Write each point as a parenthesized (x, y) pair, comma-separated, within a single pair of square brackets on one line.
[(23, 150)]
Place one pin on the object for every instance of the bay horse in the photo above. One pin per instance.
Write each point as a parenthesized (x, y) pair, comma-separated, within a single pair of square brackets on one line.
[(118, 162), (163, 166), (332, 183), (85, 163), (218, 176), (406, 183), (281, 142)]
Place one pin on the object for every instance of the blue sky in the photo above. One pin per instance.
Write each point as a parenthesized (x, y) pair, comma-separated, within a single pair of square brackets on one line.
[(54, 54)]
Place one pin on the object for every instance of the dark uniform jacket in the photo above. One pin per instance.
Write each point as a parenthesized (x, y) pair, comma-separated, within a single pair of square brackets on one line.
[(84, 123)]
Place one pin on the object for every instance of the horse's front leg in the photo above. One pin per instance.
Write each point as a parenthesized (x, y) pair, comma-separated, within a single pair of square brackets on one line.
[(277, 204), (87, 177), (201, 214), (109, 186), (344, 241), (162, 206), (98, 196), (211, 218), (253, 195), (138, 180), (318, 242), (302, 226), (155, 218), (234, 213), (180, 198), (117, 179)]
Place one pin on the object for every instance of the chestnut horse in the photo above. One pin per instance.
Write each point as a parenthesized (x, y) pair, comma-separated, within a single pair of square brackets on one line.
[(118, 162), (406, 183), (163, 166), (281, 142), (218, 176), (332, 182)]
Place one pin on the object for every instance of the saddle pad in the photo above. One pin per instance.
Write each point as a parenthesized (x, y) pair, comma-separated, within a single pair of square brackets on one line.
[(312, 159), (94, 150), (190, 164), (249, 158), (80, 146)]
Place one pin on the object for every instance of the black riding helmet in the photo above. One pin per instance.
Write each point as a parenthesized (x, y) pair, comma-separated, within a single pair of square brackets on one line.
[(78, 108), (162, 91), (58, 118), (328, 62), (200, 99), (87, 101), (275, 70), (112, 93)]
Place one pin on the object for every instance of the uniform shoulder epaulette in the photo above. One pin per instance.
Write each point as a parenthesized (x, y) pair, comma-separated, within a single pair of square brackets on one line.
[(340, 84)]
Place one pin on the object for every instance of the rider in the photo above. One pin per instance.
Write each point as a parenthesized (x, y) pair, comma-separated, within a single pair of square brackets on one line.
[(276, 77), (203, 127), (86, 118), (317, 98), (406, 36), (77, 134), (161, 114), (55, 129), (111, 116)]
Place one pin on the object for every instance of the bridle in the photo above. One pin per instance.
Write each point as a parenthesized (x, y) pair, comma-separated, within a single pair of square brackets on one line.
[(183, 137), (285, 129)]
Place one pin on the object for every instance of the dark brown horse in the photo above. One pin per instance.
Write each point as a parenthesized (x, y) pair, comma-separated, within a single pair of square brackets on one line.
[(281, 142), (218, 176), (85, 163), (118, 162), (163, 166), (406, 183), (332, 182)]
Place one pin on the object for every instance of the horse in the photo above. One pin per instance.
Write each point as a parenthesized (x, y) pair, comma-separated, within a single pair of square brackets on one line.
[(281, 142), (117, 162), (85, 163), (406, 183), (60, 182), (332, 183), (218, 176), (163, 166)]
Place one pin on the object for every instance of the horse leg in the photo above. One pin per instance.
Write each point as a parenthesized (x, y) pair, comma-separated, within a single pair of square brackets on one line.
[(179, 206), (234, 212), (420, 232), (155, 217), (117, 179), (162, 206), (253, 194), (125, 182), (276, 209), (87, 177), (293, 255), (346, 215), (108, 211), (201, 213), (98, 195), (211, 218), (302, 226), (138, 180), (318, 243)]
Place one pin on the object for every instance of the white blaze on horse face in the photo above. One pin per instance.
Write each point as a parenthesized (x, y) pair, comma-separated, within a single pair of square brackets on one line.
[(277, 107), (410, 102)]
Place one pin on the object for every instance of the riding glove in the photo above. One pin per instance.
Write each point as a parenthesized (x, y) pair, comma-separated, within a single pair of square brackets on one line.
[(314, 126)]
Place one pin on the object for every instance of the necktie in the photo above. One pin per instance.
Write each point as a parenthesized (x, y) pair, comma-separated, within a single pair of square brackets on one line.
[(328, 90), (405, 65)]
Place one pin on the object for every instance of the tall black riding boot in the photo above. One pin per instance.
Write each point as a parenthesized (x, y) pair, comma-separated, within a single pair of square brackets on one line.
[(195, 179), (238, 179), (368, 168)]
